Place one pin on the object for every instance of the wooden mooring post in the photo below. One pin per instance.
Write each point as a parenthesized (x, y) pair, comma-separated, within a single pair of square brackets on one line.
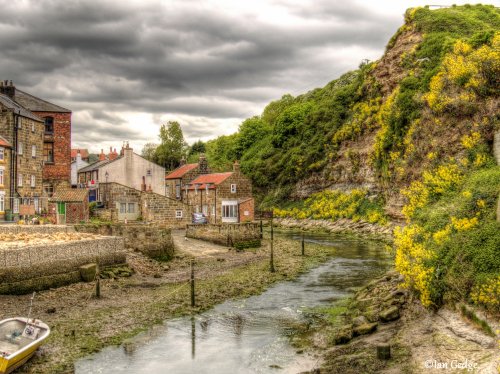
[(271, 267), (303, 246), (261, 229), (192, 284), (97, 280)]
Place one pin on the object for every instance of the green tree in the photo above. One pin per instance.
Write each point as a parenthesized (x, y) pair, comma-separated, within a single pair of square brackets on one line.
[(172, 146), (250, 132), (149, 152)]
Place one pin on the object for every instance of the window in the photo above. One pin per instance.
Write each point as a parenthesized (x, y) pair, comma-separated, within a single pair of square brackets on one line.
[(230, 211), (48, 152), (33, 127), (33, 181), (33, 151), (20, 149), (204, 209), (123, 208), (49, 125), (2, 201), (131, 207), (178, 191), (36, 204), (19, 180), (178, 214), (15, 208), (2, 154), (233, 188), (149, 172), (49, 189), (1, 176)]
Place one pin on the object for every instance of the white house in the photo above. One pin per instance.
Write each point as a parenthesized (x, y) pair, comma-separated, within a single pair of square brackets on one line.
[(128, 169), (75, 166)]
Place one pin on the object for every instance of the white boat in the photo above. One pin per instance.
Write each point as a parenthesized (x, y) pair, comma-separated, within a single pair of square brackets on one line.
[(20, 337)]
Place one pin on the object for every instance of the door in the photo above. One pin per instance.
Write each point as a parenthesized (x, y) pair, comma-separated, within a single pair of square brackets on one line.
[(61, 213), (128, 211), (229, 211)]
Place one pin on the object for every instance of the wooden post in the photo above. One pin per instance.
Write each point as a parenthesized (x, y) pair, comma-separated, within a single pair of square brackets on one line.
[(384, 352), (303, 246), (261, 229), (192, 284), (271, 268), (98, 282)]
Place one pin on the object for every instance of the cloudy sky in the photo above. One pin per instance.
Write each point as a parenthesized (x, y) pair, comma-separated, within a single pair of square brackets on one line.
[(125, 67)]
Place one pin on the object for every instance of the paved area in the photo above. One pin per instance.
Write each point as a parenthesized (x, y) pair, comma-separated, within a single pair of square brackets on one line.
[(194, 247)]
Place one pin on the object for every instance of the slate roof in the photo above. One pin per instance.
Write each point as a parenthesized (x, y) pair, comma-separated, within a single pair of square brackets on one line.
[(215, 179), (4, 143), (181, 171), (17, 108), (96, 165), (70, 195), (35, 104)]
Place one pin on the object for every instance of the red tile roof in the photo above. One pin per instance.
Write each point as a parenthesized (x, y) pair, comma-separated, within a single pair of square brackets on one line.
[(215, 179), (83, 152), (4, 143), (181, 171)]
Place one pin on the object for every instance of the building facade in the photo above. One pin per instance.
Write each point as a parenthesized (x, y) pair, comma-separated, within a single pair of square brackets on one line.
[(176, 181), (222, 197), (128, 169), (24, 132), (77, 164), (5, 164)]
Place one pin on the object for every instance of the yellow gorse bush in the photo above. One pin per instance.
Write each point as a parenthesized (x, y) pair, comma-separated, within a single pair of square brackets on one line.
[(333, 205), (488, 294)]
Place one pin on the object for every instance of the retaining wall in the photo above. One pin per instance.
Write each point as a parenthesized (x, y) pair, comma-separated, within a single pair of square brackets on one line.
[(153, 241), (38, 267), (238, 235)]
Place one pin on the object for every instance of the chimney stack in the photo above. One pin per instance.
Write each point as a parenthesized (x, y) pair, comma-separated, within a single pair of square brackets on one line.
[(183, 162), (8, 89), (236, 167), (102, 156), (203, 164)]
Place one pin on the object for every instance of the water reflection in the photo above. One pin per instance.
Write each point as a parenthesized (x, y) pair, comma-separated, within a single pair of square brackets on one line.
[(249, 335)]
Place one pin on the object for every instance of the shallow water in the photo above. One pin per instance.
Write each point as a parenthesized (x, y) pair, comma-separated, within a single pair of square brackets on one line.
[(249, 335)]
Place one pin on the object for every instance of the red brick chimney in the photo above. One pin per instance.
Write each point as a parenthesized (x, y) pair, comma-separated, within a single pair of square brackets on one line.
[(102, 156), (112, 154)]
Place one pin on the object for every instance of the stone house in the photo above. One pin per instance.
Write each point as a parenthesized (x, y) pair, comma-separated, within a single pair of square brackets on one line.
[(176, 181), (126, 203), (5, 164), (56, 147), (128, 169), (77, 164), (69, 206), (24, 132), (222, 197)]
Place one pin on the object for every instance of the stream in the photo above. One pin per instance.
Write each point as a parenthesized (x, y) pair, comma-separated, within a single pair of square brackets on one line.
[(249, 335)]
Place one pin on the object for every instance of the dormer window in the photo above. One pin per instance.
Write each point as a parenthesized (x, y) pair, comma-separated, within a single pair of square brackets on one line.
[(49, 125)]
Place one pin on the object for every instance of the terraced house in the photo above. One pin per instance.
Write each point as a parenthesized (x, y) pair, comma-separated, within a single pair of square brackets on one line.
[(21, 156)]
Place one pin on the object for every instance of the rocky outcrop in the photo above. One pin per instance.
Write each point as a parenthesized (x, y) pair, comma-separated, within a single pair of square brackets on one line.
[(341, 225)]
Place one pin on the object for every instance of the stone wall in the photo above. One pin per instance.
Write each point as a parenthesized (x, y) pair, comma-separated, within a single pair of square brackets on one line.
[(238, 235), (39, 267), (35, 229), (153, 241), (165, 211)]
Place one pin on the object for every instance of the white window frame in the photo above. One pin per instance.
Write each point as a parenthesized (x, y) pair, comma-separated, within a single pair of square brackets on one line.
[(33, 181), (2, 154), (178, 214), (131, 211), (33, 151), (233, 188), (20, 148), (33, 127), (36, 203), (2, 201), (15, 206), (2, 178), (19, 180)]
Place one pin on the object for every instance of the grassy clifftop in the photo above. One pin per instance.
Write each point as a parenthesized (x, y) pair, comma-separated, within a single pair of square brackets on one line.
[(407, 137)]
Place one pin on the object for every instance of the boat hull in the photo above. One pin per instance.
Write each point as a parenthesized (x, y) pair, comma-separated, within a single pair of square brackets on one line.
[(10, 361)]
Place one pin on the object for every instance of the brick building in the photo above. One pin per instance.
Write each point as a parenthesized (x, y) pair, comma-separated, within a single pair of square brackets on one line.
[(69, 206), (222, 197), (23, 131)]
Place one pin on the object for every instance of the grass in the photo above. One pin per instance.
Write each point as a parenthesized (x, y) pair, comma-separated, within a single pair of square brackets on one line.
[(471, 316)]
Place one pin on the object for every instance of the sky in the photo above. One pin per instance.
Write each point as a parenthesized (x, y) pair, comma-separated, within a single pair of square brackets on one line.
[(126, 67)]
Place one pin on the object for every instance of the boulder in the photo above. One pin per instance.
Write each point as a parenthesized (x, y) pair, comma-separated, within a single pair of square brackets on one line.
[(389, 314), (88, 272), (343, 335), (366, 328), (360, 320)]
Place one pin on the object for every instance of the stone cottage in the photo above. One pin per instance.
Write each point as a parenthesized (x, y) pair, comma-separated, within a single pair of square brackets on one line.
[(222, 197), (23, 132), (176, 181), (69, 206)]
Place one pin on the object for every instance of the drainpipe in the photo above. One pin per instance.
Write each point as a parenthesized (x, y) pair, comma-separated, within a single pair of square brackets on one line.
[(13, 161)]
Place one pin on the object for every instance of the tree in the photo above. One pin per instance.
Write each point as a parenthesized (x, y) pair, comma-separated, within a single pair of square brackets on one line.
[(250, 132), (149, 151), (197, 147), (172, 146)]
